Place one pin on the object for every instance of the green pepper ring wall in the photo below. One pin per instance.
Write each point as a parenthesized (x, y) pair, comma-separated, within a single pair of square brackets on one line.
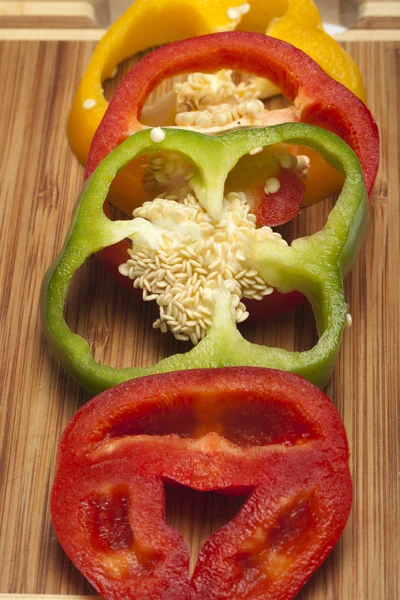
[(313, 265)]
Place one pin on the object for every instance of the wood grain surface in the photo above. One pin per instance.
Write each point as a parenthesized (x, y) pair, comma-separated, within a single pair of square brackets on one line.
[(40, 180)]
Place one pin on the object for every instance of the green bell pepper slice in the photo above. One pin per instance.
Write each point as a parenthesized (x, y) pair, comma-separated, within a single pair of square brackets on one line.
[(313, 265)]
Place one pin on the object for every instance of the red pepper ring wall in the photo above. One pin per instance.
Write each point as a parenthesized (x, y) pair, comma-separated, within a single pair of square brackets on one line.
[(317, 99), (267, 433)]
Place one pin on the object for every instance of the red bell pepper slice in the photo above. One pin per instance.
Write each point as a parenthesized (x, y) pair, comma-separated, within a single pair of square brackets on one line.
[(317, 99), (234, 430)]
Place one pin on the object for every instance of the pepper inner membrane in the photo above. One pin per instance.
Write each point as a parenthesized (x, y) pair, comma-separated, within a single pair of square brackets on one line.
[(272, 547), (105, 518), (242, 418)]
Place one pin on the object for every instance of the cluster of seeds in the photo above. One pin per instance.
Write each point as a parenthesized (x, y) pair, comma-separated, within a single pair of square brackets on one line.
[(221, 115), (202, 90), (216, 101), (191, 257), (162, 168), (158, 169), (298, 163)]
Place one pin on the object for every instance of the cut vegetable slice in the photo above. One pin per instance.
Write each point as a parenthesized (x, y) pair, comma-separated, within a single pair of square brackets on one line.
[(237, 430)]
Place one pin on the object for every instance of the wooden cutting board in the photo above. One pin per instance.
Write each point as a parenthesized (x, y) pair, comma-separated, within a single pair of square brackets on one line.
[(40, 180)]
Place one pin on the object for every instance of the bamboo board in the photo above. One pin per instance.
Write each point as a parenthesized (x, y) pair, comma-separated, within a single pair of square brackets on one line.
[(40, 180)]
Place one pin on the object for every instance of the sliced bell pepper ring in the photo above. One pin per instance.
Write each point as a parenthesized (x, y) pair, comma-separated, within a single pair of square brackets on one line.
[(316, 97), (313, 265), (267, 433), (148, 24)]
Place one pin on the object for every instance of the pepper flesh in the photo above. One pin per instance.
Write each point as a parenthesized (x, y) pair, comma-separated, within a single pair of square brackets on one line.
[(313, 265), (289, 452), (148, 24)]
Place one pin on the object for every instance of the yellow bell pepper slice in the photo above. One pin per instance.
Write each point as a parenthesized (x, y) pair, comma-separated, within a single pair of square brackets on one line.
[(299, 23), (146, 23)]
